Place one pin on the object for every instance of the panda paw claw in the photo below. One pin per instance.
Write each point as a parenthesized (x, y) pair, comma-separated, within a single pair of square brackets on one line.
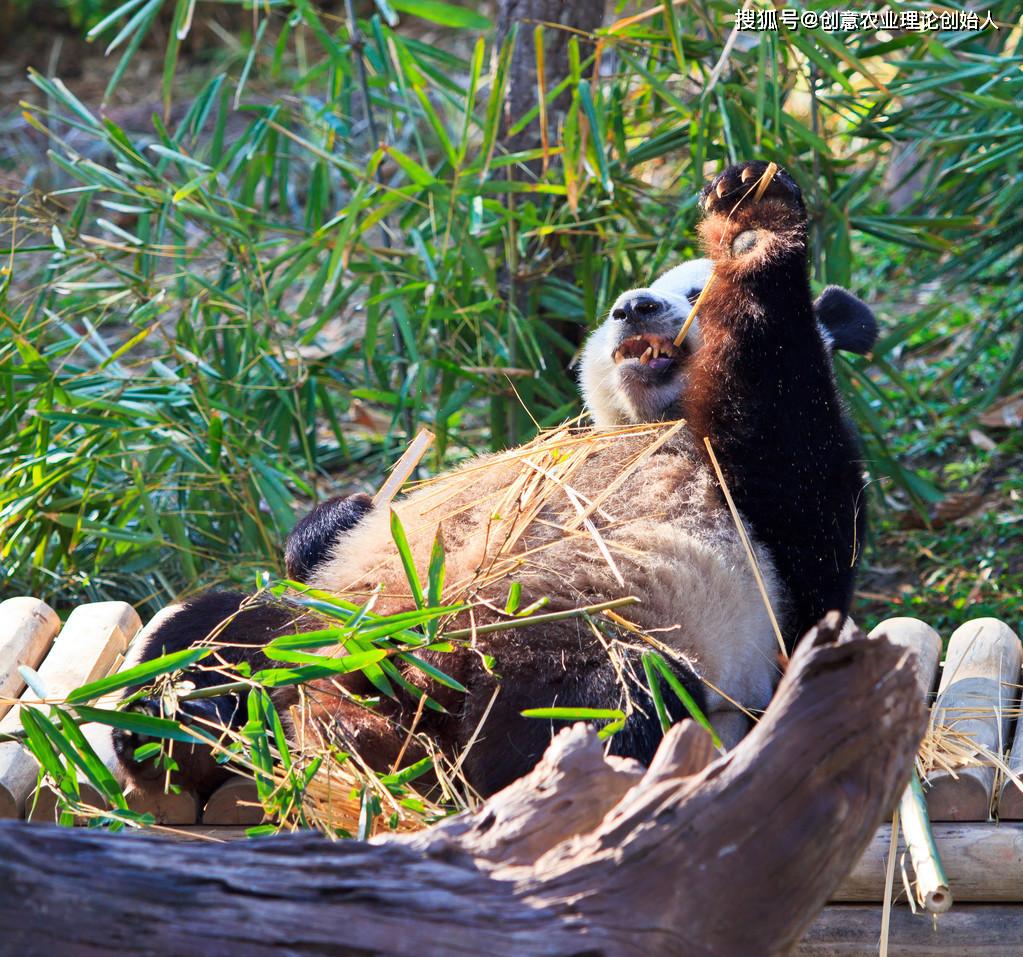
[(738, 185)]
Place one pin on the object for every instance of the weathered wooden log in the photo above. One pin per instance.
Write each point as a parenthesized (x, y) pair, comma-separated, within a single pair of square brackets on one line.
[(976, 697), (87, 648), (27, 629), (973, 930), (733, 860), (984, 864)]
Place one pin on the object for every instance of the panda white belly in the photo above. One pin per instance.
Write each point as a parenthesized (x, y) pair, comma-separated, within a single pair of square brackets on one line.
[(672, 542)]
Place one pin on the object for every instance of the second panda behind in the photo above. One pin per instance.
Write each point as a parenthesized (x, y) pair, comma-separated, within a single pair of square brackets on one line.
[(761, 388)]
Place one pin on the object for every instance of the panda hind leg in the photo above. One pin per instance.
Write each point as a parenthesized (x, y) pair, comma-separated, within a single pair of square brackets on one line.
[(240, 627)]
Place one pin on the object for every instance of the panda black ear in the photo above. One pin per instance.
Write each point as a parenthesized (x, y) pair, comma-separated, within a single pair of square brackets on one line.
[(849, 321)]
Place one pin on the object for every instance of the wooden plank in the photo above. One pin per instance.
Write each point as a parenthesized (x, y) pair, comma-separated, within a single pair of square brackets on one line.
[(27, 629), (984, 864), (975, 697), (85, 650), (970, 930), (193, 833), (234, 803)]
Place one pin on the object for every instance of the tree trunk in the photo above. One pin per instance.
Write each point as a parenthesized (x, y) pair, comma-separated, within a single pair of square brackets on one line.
[(587, 855), (521, 97)]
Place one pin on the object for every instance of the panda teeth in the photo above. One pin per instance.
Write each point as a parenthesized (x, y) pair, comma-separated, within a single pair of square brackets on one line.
[(645, 358)]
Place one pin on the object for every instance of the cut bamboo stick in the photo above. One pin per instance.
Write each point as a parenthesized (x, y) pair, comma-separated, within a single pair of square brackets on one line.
[(931, 885), (27, 629), (920, 638), (235, 803), (1010, 801), (85, 650), (976, 697), (404, 467)]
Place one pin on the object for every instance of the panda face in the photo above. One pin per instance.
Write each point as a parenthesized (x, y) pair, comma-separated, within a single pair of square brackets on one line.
[(630, 369)]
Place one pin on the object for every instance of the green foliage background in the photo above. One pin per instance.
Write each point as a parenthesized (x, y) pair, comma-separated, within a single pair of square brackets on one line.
[(171, 399)]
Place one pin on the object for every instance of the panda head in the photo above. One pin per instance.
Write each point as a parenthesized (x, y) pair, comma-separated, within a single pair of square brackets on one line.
[(631, 372)]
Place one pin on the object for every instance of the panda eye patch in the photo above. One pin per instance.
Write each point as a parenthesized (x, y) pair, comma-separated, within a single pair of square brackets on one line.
[(692, 296)]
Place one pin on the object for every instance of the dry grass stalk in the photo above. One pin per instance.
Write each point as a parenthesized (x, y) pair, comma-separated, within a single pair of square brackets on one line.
[(741, 529), (889, 882), (545, 469)]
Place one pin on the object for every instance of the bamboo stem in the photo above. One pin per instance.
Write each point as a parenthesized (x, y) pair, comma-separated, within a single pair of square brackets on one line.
[(692, 312), (932, 890), (404, 467), (539, 619)]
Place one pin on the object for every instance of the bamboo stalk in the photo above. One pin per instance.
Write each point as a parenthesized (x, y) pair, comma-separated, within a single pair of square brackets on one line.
[(692, 312), (539, 619), (404, 467), (932, 890)]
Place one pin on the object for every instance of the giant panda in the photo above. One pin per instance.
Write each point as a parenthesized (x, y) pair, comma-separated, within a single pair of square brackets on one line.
[(760, 386)]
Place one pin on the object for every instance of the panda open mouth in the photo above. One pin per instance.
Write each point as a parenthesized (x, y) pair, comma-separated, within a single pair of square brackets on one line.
[(656, 352)]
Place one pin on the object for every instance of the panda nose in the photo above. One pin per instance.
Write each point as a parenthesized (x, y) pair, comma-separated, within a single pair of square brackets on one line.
[(637, 310)]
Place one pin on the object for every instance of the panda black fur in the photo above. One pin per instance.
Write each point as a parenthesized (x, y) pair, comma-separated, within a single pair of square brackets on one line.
[(675, 544)]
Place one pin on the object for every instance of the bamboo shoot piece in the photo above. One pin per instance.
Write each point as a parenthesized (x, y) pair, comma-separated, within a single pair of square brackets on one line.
[(975, 701), (27, 629), (931, 884), (86, 649)]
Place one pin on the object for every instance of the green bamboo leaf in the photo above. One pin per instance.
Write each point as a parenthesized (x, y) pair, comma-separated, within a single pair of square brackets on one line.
[(407, 561), (446, 14), (146, 725), (139, 674)]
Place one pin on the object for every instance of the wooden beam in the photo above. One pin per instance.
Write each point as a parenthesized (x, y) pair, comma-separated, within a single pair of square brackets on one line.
[(972, 930), (976, 696), (983, 862)]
